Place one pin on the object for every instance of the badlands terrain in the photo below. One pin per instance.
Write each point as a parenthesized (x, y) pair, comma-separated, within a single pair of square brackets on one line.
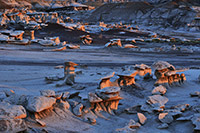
[(122, 67)]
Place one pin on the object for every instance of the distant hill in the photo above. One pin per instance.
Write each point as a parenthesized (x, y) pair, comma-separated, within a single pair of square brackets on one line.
[(177, 13), (30, 3)]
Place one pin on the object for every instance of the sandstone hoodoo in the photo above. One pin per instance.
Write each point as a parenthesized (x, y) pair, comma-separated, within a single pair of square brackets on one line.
[(106, 99), (69, 75), (127, 80), (166, 74), (69, 72), (105, 81), (143, 69)]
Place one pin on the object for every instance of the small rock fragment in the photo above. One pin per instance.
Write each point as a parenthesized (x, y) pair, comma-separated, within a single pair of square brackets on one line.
[(72, 102), (130, 46), (142, 118), (64, 105), (92, 120), (65, 95), (59, 67), (161, 100), (165, 118), (43, 124), (132, 124), (159, 90), (78, 110), (9, 92)]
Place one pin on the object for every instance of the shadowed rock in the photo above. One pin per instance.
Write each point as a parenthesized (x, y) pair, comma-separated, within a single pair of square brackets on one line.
[(39, 103), (10, 125), (12, 111)]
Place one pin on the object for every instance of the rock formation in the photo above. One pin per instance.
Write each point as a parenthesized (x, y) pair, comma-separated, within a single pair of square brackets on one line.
[(166, 74)]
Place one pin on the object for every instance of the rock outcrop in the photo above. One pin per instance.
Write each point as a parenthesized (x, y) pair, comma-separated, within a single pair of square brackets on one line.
[(39, 103), (106, 99)]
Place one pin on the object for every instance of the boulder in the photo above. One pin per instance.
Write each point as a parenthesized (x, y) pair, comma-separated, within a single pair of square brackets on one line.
[(72, 103), (132, 124), (142, 118), (159, 90), (165, 118), (12, 111), (16, 99), (39, 103), (157, 99), (10, 125), (48, 93), (78, 110)]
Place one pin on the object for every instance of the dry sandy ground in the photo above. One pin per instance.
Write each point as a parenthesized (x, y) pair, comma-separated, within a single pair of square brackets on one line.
[(24, 68)]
